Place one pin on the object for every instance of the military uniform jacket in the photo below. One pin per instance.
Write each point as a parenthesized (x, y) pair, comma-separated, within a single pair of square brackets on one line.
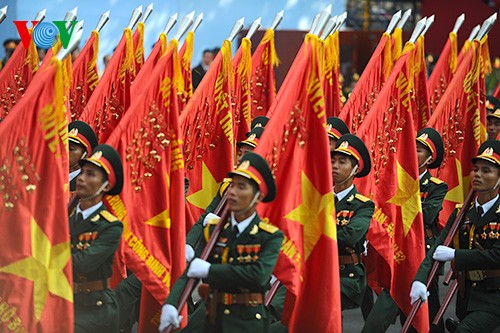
[(432, 193), (477, 248), (241, 264), (354, 213)]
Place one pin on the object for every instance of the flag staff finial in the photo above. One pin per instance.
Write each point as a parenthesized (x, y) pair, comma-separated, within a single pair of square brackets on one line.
[(196, 23), (73, 43), (147, 13), (253, 28), (184, 26), (102, 21), (237, 27), (458, 23), (277, 20), (134, 18), (3, 13), (394, 21), (170, 24)]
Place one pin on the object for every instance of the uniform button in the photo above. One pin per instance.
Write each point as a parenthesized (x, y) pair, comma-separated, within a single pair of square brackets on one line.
[(474, 285), (351, 275), (227, 311), (231, 259), (216, 256), (98, 303), (258, 316), (428, 246)]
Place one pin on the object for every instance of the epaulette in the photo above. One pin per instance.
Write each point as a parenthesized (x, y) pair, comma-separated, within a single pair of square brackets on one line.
[(436, 180), (268, 227), (362, 198), (225, 184), (458, 207), (108, 216)]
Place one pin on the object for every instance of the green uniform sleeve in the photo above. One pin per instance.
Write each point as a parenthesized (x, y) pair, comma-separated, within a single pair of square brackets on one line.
[(197, 230), (478, 259), (357, 228), (433, 203)]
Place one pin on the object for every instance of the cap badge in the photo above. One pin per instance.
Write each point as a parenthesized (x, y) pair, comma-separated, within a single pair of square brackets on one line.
[(97, 155), (73, 132), (488, 151), (328, 127), (244, 165), (423, 136), (344, 145), (252, 137), (258, 125)]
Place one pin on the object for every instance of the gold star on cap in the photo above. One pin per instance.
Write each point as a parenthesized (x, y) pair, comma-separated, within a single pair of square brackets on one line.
[(244, 165), (488, 151), (344, 145), (424, 136), (73, 132), (252, 137), (328, 127), (97, 155)]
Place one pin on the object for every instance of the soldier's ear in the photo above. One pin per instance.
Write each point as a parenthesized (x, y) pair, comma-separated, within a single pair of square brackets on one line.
[(107, 188)]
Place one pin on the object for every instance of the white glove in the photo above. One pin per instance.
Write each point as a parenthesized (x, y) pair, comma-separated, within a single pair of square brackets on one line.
[(210, 216), (418, 291), (169, 316), (189, 253), (444, 253), (198, 269)]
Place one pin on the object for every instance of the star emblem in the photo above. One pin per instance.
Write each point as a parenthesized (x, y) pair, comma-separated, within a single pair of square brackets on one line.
[(458, 193), (407, 197), (209, 187), (45, 268), (315, 214)]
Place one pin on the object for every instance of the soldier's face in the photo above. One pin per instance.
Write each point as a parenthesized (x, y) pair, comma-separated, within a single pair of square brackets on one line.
[(493, 127), (240, 194), (242, 150), (341, 167), (89, 180), (75, 153), (333, 143), (484, 176), (422, 153)]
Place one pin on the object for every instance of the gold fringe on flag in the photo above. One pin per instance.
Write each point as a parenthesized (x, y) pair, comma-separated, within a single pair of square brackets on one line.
[(188, 53), (139, 52), (486, 67), (128, 62), (454, 52), (177, 78), (32, 57), (410, 47), (245, 66), (397, 44), (58, 102), (227, 66), (273, 56), (387, 56)]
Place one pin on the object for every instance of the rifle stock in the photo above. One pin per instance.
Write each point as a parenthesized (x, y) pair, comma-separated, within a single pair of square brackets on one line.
[(435, 266)]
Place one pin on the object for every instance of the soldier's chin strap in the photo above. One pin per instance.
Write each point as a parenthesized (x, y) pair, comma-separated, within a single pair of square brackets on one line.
[(83, 156), (425, 162), (252, 203), (350, 175), (496, 185), (99, 191)]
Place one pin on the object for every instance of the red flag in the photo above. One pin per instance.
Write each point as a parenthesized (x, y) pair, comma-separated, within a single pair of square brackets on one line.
[(242, 66), (111, 97), (138, 41), (186, 54), (149, 141), (304, 207), (331, 84), (460, 117), (443, 71), (85, 76), (16, 76), (35, 266), (396, 235), (263, 82), (421, 114), (497, 91), (207, 125), (369, 85)]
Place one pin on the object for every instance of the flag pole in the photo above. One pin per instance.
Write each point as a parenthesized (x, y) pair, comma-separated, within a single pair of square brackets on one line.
[(3, 13), (102, 21), (170, 24)]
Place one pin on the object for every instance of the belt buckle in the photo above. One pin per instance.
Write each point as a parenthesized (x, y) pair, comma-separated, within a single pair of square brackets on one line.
[(476, 275)]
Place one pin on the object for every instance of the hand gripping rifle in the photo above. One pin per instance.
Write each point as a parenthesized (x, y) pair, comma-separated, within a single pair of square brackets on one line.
[(436, 265), (191, 283)]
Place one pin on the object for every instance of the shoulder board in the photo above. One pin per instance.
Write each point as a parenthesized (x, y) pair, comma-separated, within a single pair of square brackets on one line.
[(268, 227), (362, 198), (436, 180), (458, 206), (108, 216), (225, 184)]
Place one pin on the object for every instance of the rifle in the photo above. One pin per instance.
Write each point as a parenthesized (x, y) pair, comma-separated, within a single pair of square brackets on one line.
[(191, 283), (437, 264)]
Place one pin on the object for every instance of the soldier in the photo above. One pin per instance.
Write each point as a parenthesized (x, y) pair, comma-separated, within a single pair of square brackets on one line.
[(493, 117), (354, 211), (82, 140), (476, 250), (95, 235), (240, 266)]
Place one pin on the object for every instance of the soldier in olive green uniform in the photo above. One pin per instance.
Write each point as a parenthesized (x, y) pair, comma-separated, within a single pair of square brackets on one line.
[(95, 235), (82, 140), (475, 250), (239, 268)]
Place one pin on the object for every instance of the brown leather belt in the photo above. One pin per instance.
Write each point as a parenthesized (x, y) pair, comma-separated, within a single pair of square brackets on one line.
[(89, 286), (480, 275), (349, 260), (248, 299), (428, 232)]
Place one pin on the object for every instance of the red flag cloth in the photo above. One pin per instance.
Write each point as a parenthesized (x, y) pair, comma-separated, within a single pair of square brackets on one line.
[(331, 84), (186, 54), (138, 41), (242, 66), (85, 76), (497, 91), (421, 114), (263, 82), (304, 207), (460, 117), (369, 85), (207, 125), (16, 76), (149, 141), (396, 234), (35, 266), (443, 71), (111, 97)]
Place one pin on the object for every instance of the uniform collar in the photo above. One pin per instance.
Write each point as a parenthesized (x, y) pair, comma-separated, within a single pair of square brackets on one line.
[(73, 174), (89, 211), (243, 224), (487, 206), (422, 175), (342, 194)]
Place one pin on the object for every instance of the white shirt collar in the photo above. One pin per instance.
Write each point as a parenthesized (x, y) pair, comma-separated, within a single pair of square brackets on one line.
[(73, 174), (486, 206), (89, 211), (243, 224), (341, 195), (423, 173)]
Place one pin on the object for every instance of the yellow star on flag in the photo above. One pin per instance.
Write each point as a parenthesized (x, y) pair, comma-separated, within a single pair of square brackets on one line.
[(458, 193), (407, 197), (45, 268), (162, 220), (209, 187), (315, 213)]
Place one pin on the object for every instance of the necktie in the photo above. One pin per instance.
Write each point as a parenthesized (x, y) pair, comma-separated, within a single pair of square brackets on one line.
[(480, 211), (235, 231), (79, 217), (336, 199)]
